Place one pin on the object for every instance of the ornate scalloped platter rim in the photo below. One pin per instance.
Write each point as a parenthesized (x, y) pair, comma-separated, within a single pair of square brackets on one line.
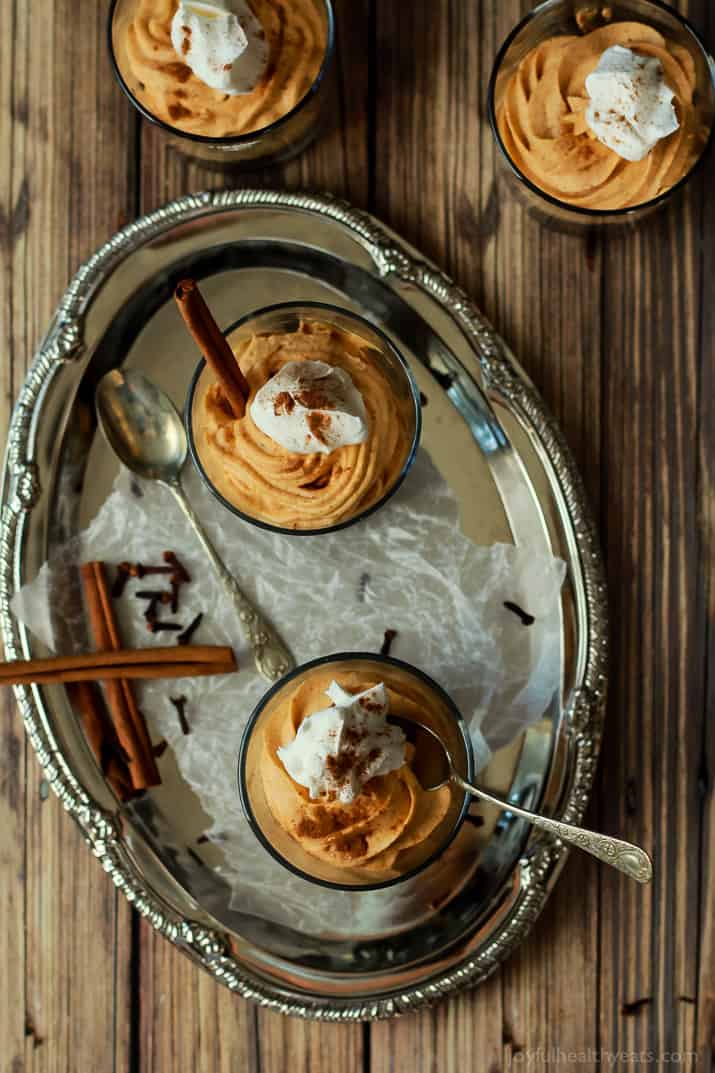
[(542, 859)]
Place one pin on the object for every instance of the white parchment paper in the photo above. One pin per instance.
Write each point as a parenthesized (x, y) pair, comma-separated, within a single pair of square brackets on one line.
[(407, 568)]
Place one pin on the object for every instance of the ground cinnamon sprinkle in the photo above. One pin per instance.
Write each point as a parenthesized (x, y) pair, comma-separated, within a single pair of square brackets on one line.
[(352, 736), (178, 111), (314, 399), (341, 765), (370, 705), (318, 425), (321, 823), (179, 71), (352, 846), (284, 403), (362, 766)]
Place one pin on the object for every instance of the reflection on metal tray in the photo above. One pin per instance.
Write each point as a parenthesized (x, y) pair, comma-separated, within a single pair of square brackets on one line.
[(512, 474)]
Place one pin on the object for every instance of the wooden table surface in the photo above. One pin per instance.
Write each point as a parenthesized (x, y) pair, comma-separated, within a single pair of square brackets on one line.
[(618, 334)]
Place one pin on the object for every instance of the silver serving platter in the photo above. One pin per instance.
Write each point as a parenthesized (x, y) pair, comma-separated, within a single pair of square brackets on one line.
[(515, 480)]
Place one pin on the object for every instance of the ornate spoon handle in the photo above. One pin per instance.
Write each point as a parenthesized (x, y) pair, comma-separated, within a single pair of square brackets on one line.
[(271, 656), (628, 858)]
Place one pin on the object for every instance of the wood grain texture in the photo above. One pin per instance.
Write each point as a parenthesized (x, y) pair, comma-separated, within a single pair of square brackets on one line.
[(185, 1019), (305, 1047), (705, 596), (64, 189), (652, 452), (619, 335)]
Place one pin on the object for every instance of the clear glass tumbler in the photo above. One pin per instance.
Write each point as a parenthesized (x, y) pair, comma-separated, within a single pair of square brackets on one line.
[(557, 17), (356, 671), (272, 144), (390, 366)]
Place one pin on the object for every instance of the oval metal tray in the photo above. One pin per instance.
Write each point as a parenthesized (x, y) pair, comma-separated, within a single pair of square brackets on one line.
[(515, 480)]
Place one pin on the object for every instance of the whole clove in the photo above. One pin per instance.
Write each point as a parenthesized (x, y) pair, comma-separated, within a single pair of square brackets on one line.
[(388, 639), (177, 568), (150, 613), (180, 705), (140, 570), (363, 582), (154, 594), (476, 821), (155, 626), (184, 638), (120, 580), (526, 618)]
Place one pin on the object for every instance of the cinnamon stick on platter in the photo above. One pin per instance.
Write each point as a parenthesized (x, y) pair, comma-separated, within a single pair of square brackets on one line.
[(87, 700), (213, 344), (121, 743), (128, 721), (186, 661)]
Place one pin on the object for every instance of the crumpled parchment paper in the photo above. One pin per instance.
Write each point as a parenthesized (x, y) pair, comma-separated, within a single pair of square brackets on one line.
[(407, 568)]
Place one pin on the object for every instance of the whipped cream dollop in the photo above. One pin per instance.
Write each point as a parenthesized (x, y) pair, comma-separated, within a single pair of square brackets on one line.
[(222, 42), (310, 407), (631, 105), (337, 750)]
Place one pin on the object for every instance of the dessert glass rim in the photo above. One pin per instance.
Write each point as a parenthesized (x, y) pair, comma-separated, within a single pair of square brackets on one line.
[(375, 657), (232, 139), (327, 308), (594, 214)]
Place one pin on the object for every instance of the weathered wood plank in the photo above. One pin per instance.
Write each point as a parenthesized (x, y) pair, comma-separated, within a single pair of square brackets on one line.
[(307, 1047), (12, 871), (649, 938), (186, 1018), (704, 1009), (63, 189), (465, 1033), (655, 450)]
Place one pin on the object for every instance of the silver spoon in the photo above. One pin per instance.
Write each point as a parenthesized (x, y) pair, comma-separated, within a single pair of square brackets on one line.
[(434, 767), (147, 434)]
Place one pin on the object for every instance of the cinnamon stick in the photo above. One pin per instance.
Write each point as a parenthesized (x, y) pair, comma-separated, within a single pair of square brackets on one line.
[(128, 721), (213, 344), (188, 661), (100, 735)]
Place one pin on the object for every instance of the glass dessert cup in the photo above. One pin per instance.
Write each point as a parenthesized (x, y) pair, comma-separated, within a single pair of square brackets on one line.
[(355, 671), (287, 318), (273, 143), (557, 17)]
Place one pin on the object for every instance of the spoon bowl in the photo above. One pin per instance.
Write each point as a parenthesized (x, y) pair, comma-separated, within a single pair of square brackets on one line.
[(145, 431), (142, 425), (432, 763)]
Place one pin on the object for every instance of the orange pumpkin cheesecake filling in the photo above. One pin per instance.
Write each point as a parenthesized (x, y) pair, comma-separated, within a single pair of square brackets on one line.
[(542, 121)]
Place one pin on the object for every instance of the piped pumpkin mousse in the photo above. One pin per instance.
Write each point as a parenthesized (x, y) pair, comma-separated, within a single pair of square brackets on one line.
[(219, 68), (324, 435), (337, 779), (603, 121)]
